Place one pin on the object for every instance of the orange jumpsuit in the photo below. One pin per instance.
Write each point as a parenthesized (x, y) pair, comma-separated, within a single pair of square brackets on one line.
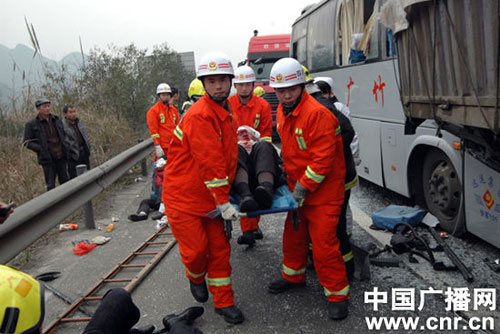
[(312, 152), (161, 123), (257, 115), (201, 167)]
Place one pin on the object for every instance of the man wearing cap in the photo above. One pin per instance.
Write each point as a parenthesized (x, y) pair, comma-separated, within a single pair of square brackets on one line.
[(45, 135)]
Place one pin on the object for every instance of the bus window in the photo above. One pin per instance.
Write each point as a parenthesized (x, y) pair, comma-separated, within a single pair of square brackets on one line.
[(390, 44), (357, 32), (320, 52), (299, 36)]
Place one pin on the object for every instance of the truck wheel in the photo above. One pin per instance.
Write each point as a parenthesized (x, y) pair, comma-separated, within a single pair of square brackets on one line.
[(443, 192)]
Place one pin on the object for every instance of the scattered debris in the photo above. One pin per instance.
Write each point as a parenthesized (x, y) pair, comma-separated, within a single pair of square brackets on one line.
[(115, 219), (100, 240), (430, 220), (83, 247), (66, 227), (493, 264), (161, 222), (110, 227)]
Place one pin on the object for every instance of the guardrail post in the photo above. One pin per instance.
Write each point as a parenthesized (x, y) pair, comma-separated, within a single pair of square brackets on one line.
[(144, 167), (88, 211)]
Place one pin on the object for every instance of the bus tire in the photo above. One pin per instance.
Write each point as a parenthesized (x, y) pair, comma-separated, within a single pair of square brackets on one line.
[(443, 192)]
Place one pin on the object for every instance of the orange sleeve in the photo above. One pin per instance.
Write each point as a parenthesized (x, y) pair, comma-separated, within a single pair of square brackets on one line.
[(152, 120), (325, 146), (266, 123), (177, 118), (207, 151)]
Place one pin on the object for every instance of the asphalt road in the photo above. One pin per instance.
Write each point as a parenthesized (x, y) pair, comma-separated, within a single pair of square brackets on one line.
[(166, 289)]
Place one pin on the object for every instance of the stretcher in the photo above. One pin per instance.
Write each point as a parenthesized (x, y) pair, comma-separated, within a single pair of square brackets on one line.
[(282, 201)]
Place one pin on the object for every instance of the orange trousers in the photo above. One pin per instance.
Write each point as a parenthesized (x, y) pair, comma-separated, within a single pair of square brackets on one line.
[(318, 224), (249, 224), (205, 251)]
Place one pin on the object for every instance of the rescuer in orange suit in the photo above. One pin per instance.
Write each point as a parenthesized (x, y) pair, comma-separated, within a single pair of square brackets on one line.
[(313, 160), (162, 119), (258, 169), (201, 166)]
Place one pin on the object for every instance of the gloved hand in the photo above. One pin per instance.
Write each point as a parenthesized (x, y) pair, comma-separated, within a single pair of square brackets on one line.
[(228, 211), (159, 151), (299, 193)]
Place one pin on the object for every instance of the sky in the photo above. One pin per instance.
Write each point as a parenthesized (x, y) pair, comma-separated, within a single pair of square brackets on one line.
[(185, 25)]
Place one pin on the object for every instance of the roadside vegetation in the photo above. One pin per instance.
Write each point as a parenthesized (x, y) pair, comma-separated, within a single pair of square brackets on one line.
[(112, 90)]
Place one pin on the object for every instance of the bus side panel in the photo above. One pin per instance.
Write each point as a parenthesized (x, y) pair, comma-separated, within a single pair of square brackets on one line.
[(482, 200), (369, 143), (394, 155)]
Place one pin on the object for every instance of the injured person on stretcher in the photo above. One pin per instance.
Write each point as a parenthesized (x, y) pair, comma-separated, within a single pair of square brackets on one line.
[(258, 174)]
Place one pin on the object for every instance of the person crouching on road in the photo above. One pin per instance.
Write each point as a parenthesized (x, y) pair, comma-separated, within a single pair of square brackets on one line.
[(201, 166), (313, 160), (162, 119)]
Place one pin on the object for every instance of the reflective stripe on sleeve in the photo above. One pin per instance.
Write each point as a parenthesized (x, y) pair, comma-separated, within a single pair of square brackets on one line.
[(156, 135), (301, 142), (223, 281), (217, 183), (351, 184), (178, 133), (337, 130), (348, 257), (314, 176), (291, 272), (268, 139), (343, 292)]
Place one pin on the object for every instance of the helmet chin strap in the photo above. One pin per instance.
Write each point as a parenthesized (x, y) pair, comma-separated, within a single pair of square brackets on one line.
[(288, 108), (219, 99)]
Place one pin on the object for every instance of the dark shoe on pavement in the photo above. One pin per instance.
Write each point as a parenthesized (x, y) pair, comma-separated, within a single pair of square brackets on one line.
[(187, 317), (199, 291), (138, 216), (247, 238), (157, 216), (231, 314), (338, 310), (257, 234), (281, 285), (264, 197), (248, 203)]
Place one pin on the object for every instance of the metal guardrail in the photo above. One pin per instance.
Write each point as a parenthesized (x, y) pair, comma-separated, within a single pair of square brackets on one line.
[(33, 219)]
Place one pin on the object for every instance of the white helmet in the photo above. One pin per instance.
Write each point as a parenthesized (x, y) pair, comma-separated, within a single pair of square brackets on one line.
[(328, 80), (163, 88), (244, 74), (287, 72), (215, 63)]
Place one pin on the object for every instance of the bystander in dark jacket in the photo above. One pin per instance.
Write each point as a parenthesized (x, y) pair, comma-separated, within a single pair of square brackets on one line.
[(45, 135), (78, 139)]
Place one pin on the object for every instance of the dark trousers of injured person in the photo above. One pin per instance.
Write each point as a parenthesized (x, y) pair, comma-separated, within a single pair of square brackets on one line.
[(259, 168), (117, 314)]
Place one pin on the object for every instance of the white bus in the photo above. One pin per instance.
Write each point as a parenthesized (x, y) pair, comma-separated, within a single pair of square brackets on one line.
[(426, 166)]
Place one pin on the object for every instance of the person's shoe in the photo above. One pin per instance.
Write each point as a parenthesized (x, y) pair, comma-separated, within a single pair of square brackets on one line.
[(281, 285), (264, 197), (257, 234), (247, 238), (338, 310), (231, 314), (138, 216), (157, 216), (248, 203), (188, 316), (199, 291)]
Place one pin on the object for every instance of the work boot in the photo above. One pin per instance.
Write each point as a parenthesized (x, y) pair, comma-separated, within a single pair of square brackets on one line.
[(247, 238), (338, 310), (231, 314), (281, 285), (199, 291), (186, 317), (138, 216), (263, 196), (248, 203), (157, 216), (257, 234)]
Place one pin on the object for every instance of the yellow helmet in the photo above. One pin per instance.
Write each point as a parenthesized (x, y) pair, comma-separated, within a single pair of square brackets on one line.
[(308, 75), (196, 88), (259, 91), (21, 302)]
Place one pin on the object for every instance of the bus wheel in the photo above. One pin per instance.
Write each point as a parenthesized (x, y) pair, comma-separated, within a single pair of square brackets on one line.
[(443, 192)]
